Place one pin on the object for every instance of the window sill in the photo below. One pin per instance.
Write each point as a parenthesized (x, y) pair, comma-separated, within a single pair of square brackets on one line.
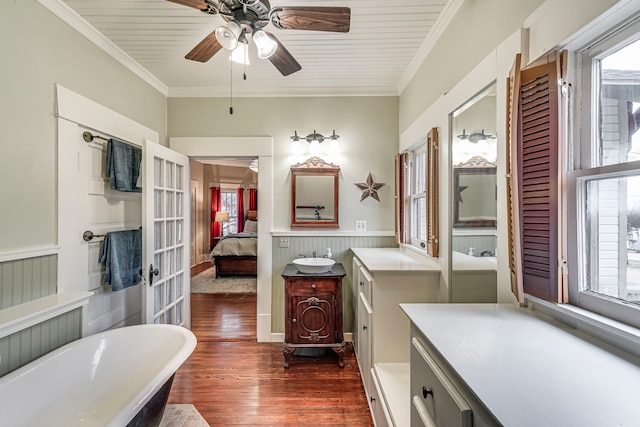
[(612, 332)]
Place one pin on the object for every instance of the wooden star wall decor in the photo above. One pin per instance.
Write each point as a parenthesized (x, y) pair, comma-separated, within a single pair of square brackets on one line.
[(369, 188)]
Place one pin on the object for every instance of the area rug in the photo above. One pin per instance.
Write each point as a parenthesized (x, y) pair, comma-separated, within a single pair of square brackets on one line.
[(206, 283), (182, 416)]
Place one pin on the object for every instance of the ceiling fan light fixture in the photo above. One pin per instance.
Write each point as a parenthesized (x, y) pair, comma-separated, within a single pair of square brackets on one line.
[(241, 53), (228, 35), (266, 45)]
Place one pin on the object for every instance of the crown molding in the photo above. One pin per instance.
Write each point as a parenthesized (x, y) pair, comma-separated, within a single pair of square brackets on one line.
[(441, 24), (267, 92), (78, 23)]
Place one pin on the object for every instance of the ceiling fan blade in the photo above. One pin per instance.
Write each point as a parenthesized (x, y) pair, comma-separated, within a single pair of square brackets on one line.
[(336, 19), (283, 60), (196, 4), (205, 50)]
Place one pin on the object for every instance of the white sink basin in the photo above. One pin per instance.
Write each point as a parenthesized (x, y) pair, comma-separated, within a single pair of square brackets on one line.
[(314, 265)]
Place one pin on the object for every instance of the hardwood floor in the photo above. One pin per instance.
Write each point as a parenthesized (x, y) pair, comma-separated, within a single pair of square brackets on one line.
[(234, 381)]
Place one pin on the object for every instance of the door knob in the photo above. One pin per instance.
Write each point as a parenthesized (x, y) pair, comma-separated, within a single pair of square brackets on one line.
[(152, 272)]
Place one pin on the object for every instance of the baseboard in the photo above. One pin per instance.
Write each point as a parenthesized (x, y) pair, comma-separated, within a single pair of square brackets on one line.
[(279, 337)]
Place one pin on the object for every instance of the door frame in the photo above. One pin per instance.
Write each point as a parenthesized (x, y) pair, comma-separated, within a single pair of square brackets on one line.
[(262, 148)]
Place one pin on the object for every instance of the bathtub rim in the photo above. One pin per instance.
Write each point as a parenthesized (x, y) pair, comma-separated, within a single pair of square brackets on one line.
[(127, 412)]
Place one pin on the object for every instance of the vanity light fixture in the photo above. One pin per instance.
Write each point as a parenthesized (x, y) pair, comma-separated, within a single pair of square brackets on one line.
[(314, 139), (476, 136)]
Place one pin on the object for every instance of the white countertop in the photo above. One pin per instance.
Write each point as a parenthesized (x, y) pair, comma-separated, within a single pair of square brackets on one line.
[(395, 260), (464, 262), (530, 371)]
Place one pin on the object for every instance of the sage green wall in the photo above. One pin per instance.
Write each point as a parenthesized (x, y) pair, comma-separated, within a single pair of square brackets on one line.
[(39, 50), (368, 127), (478, 27)]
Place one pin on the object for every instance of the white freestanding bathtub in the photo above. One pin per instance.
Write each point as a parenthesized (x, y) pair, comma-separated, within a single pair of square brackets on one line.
[(113, 378)]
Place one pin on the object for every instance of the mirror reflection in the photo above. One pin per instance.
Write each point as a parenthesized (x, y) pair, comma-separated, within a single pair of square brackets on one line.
[(474, 199), (314, 194), (314, 198)]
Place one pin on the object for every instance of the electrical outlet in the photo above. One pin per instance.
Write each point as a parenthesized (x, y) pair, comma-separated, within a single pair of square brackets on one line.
[(283, 242), (361, 226)]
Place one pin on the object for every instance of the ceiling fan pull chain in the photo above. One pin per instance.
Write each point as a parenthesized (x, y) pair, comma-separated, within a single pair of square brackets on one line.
[(230, 87), (244, 63)]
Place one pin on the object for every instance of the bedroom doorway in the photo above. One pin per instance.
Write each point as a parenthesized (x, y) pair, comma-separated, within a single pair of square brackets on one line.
[(260, 147), (220, 210)]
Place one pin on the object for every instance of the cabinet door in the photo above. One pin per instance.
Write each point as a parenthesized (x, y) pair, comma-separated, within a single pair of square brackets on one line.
[(365, 322), (313, 319)]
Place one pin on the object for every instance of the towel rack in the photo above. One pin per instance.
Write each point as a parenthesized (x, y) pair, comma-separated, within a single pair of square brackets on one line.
[(87, 236), (88, 137)]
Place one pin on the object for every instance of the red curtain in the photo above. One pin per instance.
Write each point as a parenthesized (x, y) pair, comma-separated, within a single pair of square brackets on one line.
[(240, 210), (253, 199), (215, 227)]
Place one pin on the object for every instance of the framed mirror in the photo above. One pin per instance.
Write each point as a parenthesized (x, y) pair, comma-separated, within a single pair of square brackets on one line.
[(475, 194), (314, 194)]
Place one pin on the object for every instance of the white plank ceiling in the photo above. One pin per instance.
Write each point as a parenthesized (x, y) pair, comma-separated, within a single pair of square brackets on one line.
[(387, 41)]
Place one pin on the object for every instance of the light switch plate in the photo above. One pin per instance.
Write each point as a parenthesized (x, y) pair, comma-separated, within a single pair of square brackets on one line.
[(361, 226)]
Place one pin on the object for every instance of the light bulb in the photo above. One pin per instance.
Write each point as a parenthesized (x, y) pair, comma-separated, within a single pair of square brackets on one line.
[(228, 35), (266, 45)]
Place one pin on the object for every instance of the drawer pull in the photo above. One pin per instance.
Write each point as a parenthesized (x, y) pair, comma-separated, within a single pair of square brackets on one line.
[(364, 327), (426, 392), (361, 283), (294, 321), (313, 286), (373, 399)]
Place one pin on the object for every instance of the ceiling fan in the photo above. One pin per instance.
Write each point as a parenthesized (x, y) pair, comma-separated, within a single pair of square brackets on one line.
[(249, 17)]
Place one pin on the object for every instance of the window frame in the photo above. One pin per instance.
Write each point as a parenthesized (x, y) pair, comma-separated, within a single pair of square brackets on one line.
[(233, 218), (582, 153), (412, 223)]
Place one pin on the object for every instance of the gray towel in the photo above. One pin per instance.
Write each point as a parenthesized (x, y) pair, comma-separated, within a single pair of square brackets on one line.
[(123, 165), (122, 256)]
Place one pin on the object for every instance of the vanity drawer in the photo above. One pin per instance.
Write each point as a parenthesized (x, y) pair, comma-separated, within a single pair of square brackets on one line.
[(430, 387), (365, 283), (311, 286)]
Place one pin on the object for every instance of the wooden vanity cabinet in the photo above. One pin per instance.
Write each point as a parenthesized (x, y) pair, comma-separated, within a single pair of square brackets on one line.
[(313, 311)]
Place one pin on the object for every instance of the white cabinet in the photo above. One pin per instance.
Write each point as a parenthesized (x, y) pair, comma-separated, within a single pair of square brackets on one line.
[(432, 392), (385, 278)]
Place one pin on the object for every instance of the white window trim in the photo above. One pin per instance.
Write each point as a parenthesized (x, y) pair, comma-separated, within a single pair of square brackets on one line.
[(419, 245), (602, 305), (586, 319)]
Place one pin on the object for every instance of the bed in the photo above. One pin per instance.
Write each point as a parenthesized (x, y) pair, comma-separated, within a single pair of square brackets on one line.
[(236, 254)]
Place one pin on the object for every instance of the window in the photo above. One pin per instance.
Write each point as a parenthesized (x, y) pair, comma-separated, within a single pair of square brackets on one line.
[(416, 193), (417, 199), (229, 203), (604, 183)]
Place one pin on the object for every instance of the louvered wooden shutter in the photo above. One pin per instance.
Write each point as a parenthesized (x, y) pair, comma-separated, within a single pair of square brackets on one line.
[(538, 171), (400, 161), (513, 84), (432, 193)]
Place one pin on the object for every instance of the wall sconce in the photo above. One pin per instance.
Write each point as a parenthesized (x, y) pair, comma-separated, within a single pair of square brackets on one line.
[(314, 139), (222, 217), (476, 137)]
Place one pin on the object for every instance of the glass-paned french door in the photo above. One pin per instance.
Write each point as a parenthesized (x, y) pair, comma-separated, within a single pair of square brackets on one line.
[(167, 239)]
